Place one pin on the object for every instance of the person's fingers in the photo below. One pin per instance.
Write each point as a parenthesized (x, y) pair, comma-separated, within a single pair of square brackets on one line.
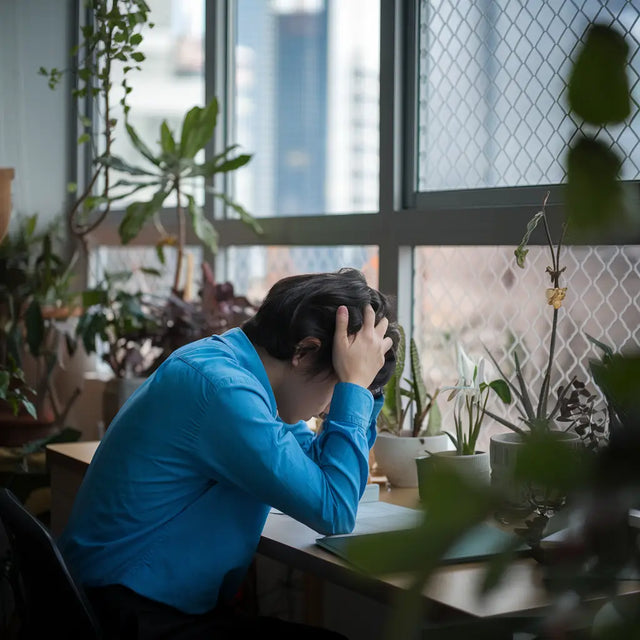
[(381, 327), (342, 323), (387, 343), (369, 317)]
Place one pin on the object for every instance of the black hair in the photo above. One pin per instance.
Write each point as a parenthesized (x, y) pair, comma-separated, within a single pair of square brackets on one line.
[(305, 305)]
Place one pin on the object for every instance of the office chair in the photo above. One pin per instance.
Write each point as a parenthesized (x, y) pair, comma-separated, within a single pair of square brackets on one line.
[(49, 603)]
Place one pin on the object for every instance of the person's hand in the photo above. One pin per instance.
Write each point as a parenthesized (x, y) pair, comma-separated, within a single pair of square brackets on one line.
[(359, 357)]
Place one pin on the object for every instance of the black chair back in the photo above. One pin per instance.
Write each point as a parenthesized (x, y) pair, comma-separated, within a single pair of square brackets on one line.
[(49, 602)]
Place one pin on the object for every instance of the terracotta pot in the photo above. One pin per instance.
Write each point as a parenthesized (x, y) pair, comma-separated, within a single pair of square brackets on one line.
[(6, 176), (396, 455), (16, 431)]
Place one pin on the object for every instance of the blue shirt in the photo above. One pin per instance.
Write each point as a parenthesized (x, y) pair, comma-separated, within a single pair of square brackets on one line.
[(176, 496)]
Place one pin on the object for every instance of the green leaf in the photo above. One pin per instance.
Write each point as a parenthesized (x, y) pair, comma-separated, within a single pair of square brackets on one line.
[(502, 390), (85, 137), (521, 253), (233, 164), (138, 56), (434, 421), (93, 297), (598, 84), (166, 138), (595, 197), (140, 145), (5, 378), (197, 129), (160, 253), (245, 216), (114, 162), (201, 226), (137, 214)]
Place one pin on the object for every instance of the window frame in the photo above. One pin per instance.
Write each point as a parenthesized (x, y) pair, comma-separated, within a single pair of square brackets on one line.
[(406, 218)]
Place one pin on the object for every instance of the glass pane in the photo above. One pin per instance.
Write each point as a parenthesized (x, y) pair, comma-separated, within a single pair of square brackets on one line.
[(306, 105), (492, 90), (478, 296), (114, 259), (170, 82), (253, 270)]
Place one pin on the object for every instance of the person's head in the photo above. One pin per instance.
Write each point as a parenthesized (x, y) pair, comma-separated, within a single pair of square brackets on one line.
[(296, 324)]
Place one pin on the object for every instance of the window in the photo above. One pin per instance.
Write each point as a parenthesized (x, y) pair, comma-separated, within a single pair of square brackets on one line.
[(492, 90), (305, 98)]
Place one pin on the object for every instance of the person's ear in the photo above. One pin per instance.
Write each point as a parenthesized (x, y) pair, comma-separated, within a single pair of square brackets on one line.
[(304, 350)]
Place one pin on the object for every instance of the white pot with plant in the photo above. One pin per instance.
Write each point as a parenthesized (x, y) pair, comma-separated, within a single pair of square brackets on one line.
[(397, 448), (470, 395)]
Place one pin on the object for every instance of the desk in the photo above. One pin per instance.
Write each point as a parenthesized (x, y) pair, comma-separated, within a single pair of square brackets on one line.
[(292, 543)]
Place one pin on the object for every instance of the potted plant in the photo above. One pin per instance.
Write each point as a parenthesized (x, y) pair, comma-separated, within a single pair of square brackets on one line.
[(173, 170), (126, 323), (537, 416), (470, 394), (397, 448), (35, 300)]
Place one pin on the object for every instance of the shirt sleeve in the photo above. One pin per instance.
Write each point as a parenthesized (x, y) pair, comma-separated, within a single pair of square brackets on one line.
[(307, 438), (242, 443)]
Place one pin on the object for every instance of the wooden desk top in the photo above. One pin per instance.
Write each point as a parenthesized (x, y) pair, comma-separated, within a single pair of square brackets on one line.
[(456, 586)]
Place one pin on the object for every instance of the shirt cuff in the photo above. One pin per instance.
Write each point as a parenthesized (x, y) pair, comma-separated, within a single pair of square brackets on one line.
[(352, 404)]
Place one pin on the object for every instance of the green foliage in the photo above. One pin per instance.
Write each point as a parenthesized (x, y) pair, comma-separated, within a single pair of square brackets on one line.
[(598, 84), (599, 95), (174, 170), (423, 403), (471, 394), (112, 36), (126, 322), (35, 287)]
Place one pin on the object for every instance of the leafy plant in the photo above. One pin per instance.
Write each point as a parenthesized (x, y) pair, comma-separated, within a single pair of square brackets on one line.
[(111, 37), (217, 309), (394, 411), (35, 292), (534, 411), (175, 170), (126, 322), (471, 394)]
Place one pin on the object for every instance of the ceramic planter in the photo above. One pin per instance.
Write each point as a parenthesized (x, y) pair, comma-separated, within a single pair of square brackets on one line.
[(396, 455), (475, 467), (504, 449), (116, 392)]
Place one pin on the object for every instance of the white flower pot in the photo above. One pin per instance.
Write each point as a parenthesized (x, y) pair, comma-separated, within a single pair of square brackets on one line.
[(396, 455)]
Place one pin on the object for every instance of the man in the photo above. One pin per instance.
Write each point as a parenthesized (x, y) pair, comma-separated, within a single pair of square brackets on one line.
[(171, 509)]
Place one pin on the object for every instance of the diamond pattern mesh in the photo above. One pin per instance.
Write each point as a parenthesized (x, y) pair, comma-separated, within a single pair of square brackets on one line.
[(253, 270), (492, 91), (478, 296)]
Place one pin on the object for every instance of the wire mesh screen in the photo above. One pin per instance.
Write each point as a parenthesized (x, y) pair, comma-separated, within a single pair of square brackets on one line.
[(137, 261), (492, 89), (253, 270), (479, 297)]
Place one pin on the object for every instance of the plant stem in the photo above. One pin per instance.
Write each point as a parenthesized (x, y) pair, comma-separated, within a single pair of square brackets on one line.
[(181, 239), (544, 390)]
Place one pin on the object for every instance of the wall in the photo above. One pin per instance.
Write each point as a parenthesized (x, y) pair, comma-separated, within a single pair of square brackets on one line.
[(33, 119)]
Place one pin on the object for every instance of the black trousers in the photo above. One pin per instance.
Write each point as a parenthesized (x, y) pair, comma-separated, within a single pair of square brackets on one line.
[(126, 615)]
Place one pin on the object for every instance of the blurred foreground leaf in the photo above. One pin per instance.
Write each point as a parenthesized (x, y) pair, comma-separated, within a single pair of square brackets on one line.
[(597, 202), (598, 84)]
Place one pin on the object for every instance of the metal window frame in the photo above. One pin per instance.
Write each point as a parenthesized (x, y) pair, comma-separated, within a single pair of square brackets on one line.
[(406, 218)]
